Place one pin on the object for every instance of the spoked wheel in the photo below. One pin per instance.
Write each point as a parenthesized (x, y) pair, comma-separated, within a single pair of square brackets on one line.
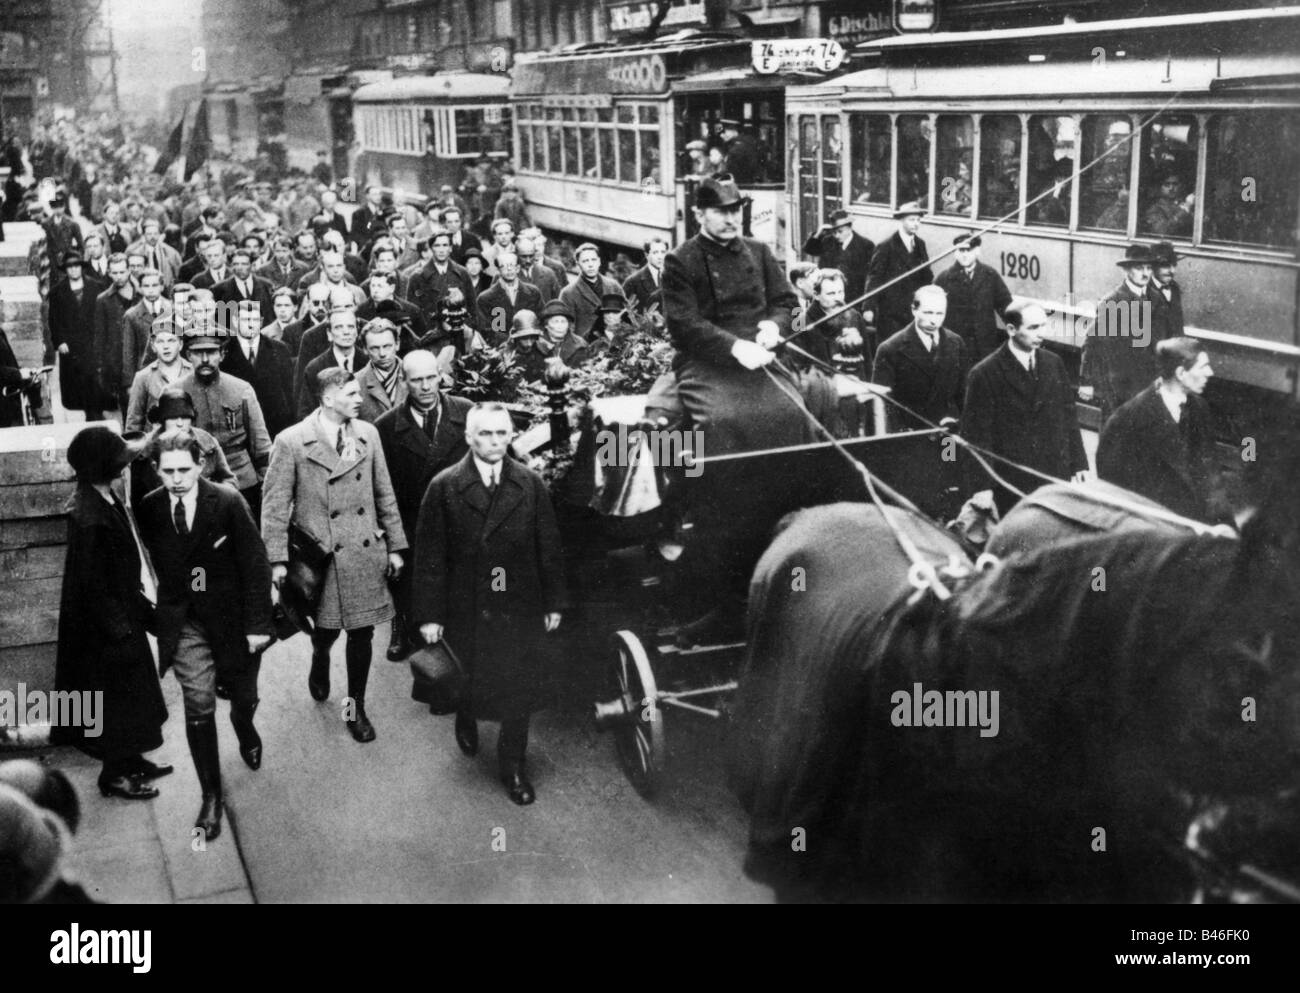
[(639, 730)]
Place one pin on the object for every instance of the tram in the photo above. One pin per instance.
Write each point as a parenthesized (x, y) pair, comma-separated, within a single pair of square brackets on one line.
[(418, 133), (1069, 143)]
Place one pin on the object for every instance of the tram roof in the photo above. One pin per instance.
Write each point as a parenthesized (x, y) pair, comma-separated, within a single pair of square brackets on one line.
[(1081, 28), (443, 86)]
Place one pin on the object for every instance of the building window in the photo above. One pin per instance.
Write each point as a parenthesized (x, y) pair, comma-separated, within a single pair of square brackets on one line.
[(1251, 163)]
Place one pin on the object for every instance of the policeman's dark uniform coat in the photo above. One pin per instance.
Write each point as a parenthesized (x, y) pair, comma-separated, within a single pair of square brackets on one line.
[(1142, 449), (1028, 419), (973, 302), (463, 535), (270, 375), (893, 307), (103, 638), (234, 599)]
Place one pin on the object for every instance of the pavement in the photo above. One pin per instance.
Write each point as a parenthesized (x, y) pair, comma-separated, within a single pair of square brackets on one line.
[(408, 818)]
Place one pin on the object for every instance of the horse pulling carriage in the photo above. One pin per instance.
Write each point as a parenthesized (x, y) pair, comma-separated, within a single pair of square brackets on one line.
[(1121, 698)]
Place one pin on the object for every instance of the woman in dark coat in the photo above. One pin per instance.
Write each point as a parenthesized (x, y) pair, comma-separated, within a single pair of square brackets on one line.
[(72, 318), (103, 618)]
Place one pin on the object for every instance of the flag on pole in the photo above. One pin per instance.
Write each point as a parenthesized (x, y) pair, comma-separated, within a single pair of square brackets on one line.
[(173, 150), (200, 142)]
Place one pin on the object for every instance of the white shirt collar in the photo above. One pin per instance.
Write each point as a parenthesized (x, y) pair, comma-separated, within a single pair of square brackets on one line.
[(1136, 290), (1022, 357), (190, 500), (1174, 403), (929, 339), (487, 472), (352, 359)]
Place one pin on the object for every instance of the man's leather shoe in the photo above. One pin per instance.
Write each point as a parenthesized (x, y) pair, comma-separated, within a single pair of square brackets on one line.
[(361, 729), (467, 734), (519, 788), (143, 769), (222, 692), (399, 646), (127, 787), (318, 680)]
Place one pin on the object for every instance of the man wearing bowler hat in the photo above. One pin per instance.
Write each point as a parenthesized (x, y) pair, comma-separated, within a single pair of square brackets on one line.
[(837, 246), (977, 297), (1119, 352), (728, 304), (1165, 293), (903, 252)]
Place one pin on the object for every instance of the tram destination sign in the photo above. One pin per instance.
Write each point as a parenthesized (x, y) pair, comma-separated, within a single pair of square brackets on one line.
[(797, 55), (626, 74)]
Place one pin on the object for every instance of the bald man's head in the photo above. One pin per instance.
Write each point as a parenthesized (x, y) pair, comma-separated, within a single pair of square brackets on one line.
[(423, 378)]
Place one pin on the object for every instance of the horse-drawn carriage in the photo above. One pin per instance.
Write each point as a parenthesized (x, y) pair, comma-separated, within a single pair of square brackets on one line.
[(861, 594)]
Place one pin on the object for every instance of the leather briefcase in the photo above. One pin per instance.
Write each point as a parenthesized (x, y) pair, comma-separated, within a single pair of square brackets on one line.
[(438, 678)]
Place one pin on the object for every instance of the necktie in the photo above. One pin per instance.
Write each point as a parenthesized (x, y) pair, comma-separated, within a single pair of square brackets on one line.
[(340, 444), (431, 422), (252, 352), (178, 515), (492, 481), (1033, 366), (346, 365)]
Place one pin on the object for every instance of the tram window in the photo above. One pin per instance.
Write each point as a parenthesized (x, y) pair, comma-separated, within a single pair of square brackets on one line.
[(999, 166), (1167, 174), (626, 113), (480, 130), (1103, 189), (627, 167), (554, 132), (650, 114), (871, 137), (1051, 168), (956, 164), (1252, 161), (570, 142), (525, 146), (606, 136), (914, 159), (650, 176), (590, 166), (832, 149)]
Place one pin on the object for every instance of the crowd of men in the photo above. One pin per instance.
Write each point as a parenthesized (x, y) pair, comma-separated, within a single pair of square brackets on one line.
[(306, 360)]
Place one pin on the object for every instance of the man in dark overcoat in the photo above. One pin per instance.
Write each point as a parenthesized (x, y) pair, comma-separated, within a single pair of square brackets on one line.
[(214, 606), (925, 365), (1161, 443), (420, 437), (489, 577), (727, 305), (977, 297), (1020, 404), (838, 246), (902, 252), (1119, 354)]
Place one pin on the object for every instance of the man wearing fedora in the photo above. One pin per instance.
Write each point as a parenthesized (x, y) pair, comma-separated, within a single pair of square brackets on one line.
[(329, 479), (489, 577), (226, 406), (727, 305), (524, 346), (167, 369), (837, 246), (72, 323), (560, 341), (421, 436), (1165, 293), (214, 630), (977, 298), (1119, 353), (901, 253)]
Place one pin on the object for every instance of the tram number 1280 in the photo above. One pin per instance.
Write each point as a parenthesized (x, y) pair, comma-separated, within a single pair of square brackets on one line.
[(1020, 266)]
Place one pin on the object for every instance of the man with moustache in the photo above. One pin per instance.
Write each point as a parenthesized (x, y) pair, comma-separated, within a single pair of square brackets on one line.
[(1118, 360), (1020, 405), (421, 436)]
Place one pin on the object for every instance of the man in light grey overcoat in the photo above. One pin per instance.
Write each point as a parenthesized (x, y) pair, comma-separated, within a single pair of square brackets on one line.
[(329, 480)]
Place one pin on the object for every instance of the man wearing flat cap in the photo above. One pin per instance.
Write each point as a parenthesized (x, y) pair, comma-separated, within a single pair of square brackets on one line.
[(891, 308), (727, 304), (1119, 352), (977, 298), (837, 246)]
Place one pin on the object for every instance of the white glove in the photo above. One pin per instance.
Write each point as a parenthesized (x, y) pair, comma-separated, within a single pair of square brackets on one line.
[(751, 354), (769, 334)]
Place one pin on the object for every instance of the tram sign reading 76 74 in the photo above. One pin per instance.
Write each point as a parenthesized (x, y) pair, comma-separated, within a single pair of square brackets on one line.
[(797, 54)]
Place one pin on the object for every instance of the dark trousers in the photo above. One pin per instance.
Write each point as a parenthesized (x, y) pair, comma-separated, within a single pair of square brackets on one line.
[(401, 590), (357, 654), (253, 497)]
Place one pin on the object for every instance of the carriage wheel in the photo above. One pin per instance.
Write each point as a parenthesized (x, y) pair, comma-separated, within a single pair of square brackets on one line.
[(640, 738)]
